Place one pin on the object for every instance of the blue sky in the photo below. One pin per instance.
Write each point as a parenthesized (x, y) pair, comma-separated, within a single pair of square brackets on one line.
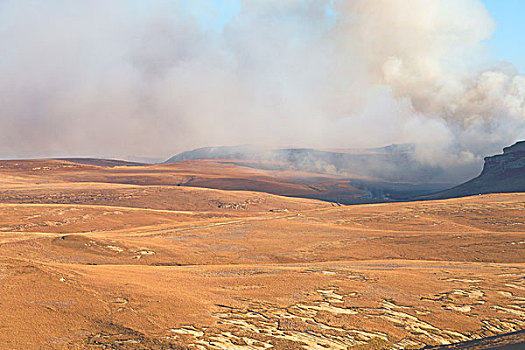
[(508, 42), (213, 14)]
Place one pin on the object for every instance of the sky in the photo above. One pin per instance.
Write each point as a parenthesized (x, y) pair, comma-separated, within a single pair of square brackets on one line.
[(508, 41), (155, 78), (506, 44)]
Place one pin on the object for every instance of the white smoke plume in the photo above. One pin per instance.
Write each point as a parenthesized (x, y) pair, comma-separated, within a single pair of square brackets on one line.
[(153, 78)]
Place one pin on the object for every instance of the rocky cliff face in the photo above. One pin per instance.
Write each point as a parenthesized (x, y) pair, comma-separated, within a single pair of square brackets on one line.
[(501, 173), (510, 163)]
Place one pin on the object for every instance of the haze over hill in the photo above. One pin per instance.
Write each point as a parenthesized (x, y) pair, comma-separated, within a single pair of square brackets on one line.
[(394, 163), (501, 173), (387, 173), (173, 76)]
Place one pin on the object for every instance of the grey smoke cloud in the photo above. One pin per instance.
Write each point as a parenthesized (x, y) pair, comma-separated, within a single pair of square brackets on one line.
[(93, 78)]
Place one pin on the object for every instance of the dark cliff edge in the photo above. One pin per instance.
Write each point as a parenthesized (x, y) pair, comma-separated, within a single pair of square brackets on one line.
[(501, 173)]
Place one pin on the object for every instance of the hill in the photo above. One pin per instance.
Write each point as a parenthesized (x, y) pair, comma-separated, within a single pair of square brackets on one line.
[(389, 173), (394, 163), (109, 255)]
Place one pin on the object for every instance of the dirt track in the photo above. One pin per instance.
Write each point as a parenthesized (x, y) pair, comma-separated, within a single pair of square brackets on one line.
[(159, 267)]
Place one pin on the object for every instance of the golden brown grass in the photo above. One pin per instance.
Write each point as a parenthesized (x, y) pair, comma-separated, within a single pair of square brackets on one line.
[(119, 258)]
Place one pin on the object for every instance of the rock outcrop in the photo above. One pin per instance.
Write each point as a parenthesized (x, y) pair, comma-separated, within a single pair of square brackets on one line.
[(501, 173)]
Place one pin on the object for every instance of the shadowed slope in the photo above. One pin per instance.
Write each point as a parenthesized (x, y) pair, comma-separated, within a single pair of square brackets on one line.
[(501, 173)]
